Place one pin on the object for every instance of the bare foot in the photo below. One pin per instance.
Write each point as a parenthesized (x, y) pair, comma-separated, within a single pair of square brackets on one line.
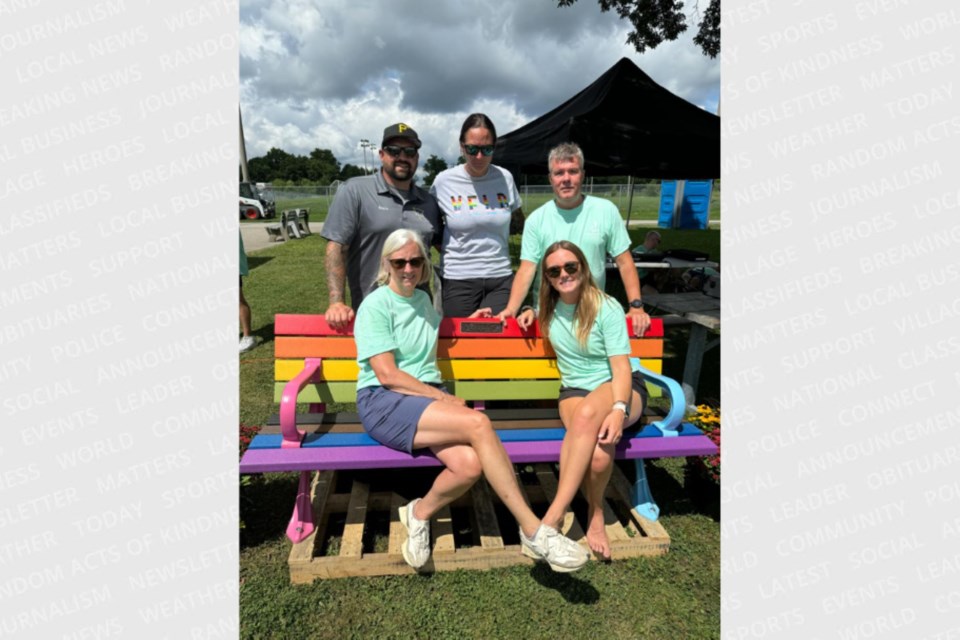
[(597, 534)]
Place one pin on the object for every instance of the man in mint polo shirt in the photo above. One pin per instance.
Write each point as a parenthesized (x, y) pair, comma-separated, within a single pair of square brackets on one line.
[(365, 211), (593, 224)]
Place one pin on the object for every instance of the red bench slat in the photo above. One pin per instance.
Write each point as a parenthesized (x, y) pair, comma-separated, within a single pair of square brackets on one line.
[(290, 324)]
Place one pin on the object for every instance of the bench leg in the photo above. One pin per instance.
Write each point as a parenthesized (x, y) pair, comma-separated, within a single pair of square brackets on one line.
[(641, 496), (301, 523)]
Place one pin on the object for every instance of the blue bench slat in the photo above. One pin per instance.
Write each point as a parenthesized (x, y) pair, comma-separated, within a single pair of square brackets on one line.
[(379, 457), (272, 441)]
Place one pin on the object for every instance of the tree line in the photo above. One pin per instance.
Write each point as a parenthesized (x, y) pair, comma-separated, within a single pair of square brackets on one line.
[(280, 168), (320, 166)]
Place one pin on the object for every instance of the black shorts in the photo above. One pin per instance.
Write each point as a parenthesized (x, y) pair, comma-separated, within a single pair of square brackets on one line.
[(636, 381), (463, 297)]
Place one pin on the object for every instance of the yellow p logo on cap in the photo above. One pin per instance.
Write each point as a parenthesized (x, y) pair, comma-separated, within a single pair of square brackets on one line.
[(402, 127)]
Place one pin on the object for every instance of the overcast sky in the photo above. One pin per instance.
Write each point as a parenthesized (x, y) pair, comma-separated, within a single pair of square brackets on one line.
[(327, 73)]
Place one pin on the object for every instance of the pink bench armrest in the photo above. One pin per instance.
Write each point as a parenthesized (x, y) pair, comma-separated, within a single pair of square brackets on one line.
[(292, 437)]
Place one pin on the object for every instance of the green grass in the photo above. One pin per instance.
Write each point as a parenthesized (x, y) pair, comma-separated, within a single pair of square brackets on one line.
[(675, 596), (643, 207)]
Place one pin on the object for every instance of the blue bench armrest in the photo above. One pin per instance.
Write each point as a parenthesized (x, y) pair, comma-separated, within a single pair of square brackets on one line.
[(670, 423)]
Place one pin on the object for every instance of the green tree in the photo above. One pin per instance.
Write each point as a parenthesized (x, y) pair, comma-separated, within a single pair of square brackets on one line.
[(273, 165), (322, 167), (351, 171), (433, 166), (276, 165), (657, 20)]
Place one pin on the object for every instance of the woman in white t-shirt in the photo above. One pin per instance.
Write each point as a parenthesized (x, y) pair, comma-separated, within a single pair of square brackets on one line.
[(601, 391), (481, 207), (402, 404)]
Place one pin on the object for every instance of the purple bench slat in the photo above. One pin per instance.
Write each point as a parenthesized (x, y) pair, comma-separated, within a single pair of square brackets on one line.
[(273, 440), (321, 459)]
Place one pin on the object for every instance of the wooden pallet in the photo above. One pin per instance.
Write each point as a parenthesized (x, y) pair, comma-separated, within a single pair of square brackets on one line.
[(476, 532)]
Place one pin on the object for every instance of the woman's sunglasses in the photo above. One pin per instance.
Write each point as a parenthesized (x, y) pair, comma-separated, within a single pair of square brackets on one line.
[(399, 263), (570, 267), (395, 151), (471, 149)]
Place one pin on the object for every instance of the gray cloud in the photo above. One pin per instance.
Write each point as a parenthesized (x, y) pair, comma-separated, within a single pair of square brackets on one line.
[(329, 72)]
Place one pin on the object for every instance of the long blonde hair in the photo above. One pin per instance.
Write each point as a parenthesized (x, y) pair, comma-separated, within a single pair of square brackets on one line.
[(588, 304)]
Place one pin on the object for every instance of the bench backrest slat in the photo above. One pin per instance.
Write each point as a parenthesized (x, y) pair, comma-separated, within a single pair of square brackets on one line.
[(474, 369), (476, 365), (486, 348), (292, 324)]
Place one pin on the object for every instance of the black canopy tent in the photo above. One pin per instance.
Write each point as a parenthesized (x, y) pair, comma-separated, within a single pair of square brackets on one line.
[(627, 125)]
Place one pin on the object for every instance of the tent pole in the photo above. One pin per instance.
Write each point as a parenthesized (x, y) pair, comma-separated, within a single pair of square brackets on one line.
[(678, 203), (629, 199)]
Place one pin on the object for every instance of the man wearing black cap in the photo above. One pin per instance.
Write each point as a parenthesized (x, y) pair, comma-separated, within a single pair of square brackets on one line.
[(368, 209)]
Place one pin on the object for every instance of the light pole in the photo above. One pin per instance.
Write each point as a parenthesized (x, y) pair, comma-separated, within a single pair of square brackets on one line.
[(244, 172), (364, 144)]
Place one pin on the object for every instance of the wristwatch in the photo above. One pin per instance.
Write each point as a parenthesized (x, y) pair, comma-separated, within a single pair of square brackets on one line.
[(623, 406), (637, 303)]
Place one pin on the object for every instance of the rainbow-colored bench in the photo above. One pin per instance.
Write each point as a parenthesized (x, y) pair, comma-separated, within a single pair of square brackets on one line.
[(481, 361)]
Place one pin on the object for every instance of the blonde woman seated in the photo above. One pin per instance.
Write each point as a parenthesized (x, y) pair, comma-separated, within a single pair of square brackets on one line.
[(601, 393), (403, 405)]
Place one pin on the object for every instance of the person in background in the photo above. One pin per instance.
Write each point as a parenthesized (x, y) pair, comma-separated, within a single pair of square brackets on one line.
[(365, 211), (650, 243), (593, 224), (601, 391), (247, 341), (402, 404), (481, 208)]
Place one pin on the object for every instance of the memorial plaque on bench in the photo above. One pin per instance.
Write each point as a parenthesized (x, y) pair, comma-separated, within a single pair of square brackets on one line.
[(479, 326)]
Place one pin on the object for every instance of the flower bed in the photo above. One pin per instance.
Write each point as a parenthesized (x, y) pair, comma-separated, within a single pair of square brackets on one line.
[(246, 435), (707, 419)]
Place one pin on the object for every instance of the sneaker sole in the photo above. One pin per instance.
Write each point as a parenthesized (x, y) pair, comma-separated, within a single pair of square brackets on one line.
[(403, 548), (555, 567)]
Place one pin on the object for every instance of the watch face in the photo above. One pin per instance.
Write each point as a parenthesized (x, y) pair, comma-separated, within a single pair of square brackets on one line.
[(636, 304)]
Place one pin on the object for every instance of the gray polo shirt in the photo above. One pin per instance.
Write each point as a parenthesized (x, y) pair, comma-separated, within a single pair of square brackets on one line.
[(364, 212)]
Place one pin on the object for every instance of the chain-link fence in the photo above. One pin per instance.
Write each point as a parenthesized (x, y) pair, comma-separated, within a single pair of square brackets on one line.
[(644, 206), (646, 196)]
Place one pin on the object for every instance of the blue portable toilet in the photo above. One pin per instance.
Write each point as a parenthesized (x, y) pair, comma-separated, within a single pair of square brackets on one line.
[(694, 209), (668, 194)]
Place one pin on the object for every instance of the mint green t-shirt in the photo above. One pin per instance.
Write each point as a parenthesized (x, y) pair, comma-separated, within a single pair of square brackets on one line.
[(595, 226), (589, 367), (387, 321)]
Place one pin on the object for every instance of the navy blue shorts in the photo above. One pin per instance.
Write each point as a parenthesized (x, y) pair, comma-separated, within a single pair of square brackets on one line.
[(391, 418), (636, 381)]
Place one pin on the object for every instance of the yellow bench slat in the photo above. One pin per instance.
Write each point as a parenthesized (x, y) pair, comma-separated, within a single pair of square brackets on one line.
[(528, 369), (346, 391)]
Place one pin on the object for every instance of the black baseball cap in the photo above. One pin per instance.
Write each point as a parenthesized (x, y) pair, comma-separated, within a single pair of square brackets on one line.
[(400, 130)]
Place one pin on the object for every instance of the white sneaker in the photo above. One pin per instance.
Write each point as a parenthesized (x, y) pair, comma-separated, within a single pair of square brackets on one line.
[(247, 343), (416, 550), (560, 552)]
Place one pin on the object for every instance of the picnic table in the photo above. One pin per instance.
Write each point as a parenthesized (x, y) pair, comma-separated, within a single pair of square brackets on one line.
[(703, 312), (667, 263)]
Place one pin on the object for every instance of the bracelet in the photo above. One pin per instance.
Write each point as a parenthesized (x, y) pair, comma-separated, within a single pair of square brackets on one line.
[(524, 308)]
